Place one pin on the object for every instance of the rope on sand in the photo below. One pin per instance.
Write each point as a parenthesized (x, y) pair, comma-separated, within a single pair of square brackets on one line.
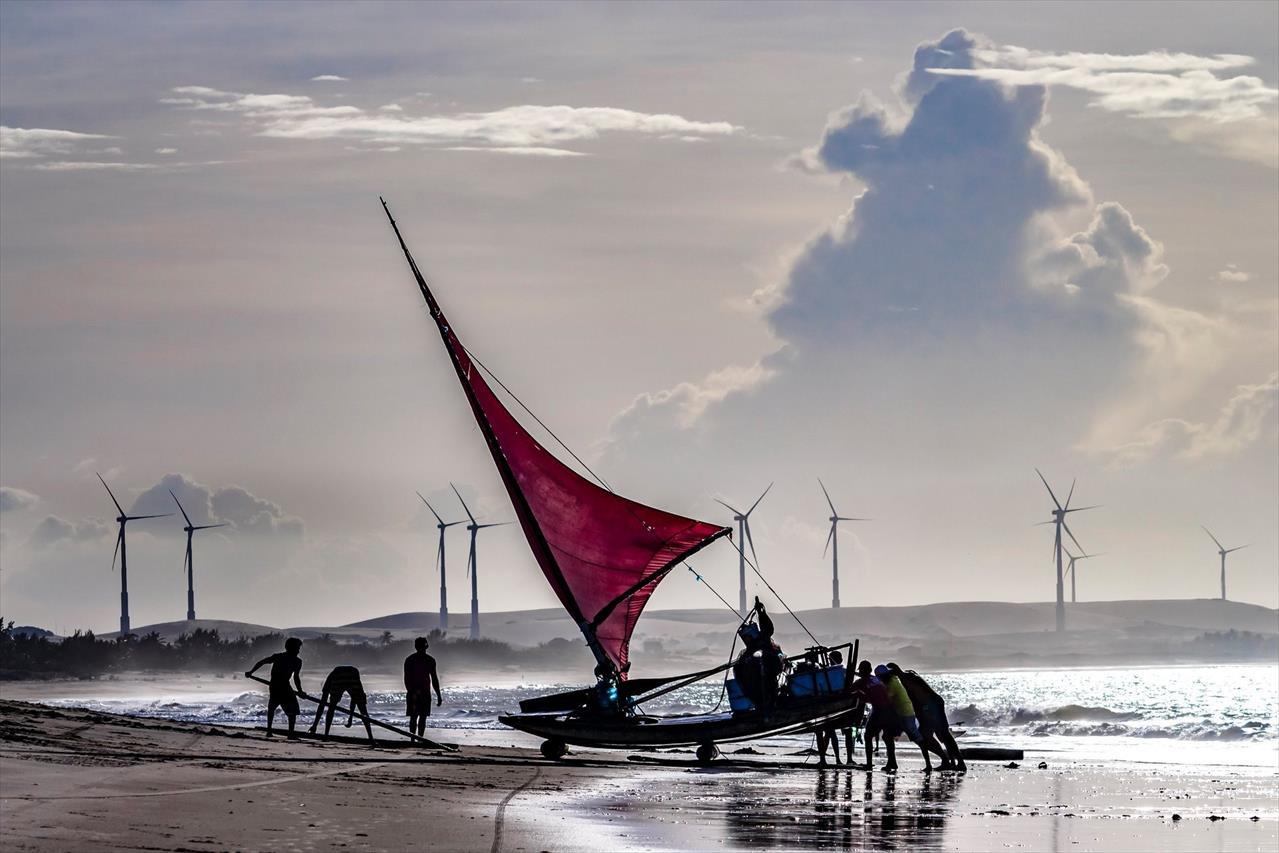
[(501, 810)]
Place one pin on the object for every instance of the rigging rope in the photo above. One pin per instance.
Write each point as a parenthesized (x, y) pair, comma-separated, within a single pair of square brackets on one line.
[(701, 579), (534, 416), (776, 595)]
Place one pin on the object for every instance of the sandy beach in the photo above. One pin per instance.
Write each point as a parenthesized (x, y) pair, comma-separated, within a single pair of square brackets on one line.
[(84, 780)]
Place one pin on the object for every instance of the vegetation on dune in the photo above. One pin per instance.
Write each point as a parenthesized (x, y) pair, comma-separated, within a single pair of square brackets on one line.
[(83, 655)]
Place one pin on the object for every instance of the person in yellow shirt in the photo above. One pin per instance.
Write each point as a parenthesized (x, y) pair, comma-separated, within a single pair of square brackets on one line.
[(901, 705)]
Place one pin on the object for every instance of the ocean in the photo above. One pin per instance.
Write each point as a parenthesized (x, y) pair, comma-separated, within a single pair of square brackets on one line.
[(1208, 715)]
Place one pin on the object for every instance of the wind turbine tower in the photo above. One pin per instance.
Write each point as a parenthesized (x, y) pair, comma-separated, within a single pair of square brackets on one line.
[(1070, 570), (832, 544), (743, 520), (188, 562), (441, 525), (122, 551), (471, 566), (1223, 551), (1059, 522)]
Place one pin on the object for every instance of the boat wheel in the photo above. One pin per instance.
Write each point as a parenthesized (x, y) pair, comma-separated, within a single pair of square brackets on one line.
[(554, 749), (707, 752)]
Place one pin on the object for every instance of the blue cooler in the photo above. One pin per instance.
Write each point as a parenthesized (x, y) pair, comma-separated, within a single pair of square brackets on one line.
[(818, 682), (737, 700)]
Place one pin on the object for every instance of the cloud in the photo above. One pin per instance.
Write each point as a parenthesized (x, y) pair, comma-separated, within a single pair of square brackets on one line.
[(21, 143), (1240, 423), (12, 499), (329, 78), (521, 129), (93, 166), (1153, 85), (1232, 275), (166, 151), (521, 150), (233, 505), (947, 286), (53, 530)]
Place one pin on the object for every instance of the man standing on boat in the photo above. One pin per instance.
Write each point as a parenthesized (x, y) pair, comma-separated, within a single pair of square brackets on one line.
[(420, 677), (284, 665)]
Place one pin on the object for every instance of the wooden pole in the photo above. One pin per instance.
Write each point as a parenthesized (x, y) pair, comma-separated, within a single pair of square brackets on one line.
[(415, 738)]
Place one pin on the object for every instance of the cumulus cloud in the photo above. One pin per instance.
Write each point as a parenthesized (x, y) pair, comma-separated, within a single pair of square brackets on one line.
[(22, 143), (329, 78), (234, 505), (947, 287), (12, 499), (54, 530), (527, 127), (1240, 423)]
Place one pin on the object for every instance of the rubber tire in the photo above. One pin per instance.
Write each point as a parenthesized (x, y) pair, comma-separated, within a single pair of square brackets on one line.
[(706, 753), (554, 749)]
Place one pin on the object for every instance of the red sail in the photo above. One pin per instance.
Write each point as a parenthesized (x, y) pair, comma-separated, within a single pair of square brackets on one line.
[(602, 553)]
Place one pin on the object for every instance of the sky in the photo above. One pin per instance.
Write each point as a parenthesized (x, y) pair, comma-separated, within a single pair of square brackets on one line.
[(916, 250)]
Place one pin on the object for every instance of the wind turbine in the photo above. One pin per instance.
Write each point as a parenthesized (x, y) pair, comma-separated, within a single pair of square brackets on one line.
[(122, 551), (1223, 551), (1070, 570), (187, 562), (743, 520), (833, 540), (442, 525), (471, 566), (1059, 522)]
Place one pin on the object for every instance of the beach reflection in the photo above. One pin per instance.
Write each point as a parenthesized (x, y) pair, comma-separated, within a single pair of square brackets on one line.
[(842, 809)]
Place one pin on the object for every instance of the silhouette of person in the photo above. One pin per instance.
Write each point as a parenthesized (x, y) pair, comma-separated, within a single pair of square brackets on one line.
[(343, 680), (420, 677), (284, 665)]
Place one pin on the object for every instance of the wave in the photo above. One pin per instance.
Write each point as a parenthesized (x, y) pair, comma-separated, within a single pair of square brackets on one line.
[(1096, 721)]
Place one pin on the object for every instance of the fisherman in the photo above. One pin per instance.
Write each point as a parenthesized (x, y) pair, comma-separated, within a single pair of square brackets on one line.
[(284, 665), (883, 720), (343, 680), (420, 677), (930, 711), (607, 691), (761, 660), (899, 699)]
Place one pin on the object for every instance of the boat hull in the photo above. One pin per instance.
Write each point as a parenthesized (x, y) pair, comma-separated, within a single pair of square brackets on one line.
[(791, 717)]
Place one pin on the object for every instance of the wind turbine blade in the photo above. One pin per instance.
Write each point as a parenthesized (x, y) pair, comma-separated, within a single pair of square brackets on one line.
[(1049, 488), (1206, 530), (827, 494), (1069, 555), (1070, 494), (439, 555), (497, 524), (1090, 556), (829, 538), (116, 553), (841, 518), (750, 540), (726, 506), (757, 500), (1082, 508), (1241, 547), (431, 508), (111, 493), (180, 509), (1042, 523), (140, 517), (1072, 536), (211, 526), (464, 506)]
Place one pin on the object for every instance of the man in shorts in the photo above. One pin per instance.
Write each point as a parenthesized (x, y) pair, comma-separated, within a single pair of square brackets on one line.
[(343, 680), (284, 665), (420, 677)]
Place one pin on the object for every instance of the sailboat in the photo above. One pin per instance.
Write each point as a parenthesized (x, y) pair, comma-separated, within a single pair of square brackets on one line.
[(604, 555)]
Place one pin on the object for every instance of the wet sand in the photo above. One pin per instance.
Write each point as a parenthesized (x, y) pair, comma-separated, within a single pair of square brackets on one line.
[(83, 780)]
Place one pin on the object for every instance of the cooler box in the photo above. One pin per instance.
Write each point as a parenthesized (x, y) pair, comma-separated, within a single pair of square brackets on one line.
[(737, 700), (818, 682)]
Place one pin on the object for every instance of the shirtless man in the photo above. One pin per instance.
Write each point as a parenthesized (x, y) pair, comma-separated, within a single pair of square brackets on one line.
[(284, 665), (343, 680), (420, 677)]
